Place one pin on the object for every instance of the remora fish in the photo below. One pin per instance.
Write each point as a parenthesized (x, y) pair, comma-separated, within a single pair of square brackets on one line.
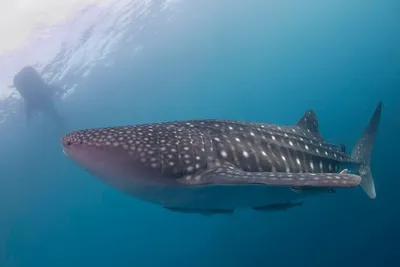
[(217, 166)]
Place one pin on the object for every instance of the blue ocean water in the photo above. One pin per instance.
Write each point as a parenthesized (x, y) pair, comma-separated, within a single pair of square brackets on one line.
[(149, 61)]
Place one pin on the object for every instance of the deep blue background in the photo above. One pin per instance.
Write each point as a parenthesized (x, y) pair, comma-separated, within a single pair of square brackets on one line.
[(249, 60)]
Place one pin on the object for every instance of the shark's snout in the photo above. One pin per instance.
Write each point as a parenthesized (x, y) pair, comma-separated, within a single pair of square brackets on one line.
[(116, 156), (69, 143), (68, 140)]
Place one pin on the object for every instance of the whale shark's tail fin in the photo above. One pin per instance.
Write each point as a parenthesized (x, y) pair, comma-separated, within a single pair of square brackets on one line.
[(363, 150)]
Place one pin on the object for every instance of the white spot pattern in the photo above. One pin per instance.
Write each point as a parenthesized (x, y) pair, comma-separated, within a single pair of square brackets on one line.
[(179, 149)]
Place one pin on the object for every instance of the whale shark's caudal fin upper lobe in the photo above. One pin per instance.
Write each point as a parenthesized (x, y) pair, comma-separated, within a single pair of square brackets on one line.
[(363, 150)]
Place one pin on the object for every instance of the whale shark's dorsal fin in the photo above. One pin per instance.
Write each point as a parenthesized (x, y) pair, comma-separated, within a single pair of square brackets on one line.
[(309, 122)]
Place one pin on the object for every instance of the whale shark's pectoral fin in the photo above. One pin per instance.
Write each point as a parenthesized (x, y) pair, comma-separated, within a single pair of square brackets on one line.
[(232, 176), (205, 212), (279, 206)]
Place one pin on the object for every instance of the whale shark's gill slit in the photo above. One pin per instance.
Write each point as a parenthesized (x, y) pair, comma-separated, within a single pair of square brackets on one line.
[(196, 153), (278, 158), (291, 160), (234, 152), (257, 158), (203, 153), (299, 160), (177, 166), (159, 146), (210, 159)]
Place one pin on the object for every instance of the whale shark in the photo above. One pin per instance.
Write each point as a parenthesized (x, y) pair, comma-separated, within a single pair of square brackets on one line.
[(37, 95), (216, 166)]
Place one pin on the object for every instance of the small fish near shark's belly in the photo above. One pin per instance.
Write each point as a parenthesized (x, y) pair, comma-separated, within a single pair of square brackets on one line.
[(231, 189), (217, 197)]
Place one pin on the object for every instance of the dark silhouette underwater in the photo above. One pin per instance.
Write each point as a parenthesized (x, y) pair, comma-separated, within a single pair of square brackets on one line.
[(37, 94)]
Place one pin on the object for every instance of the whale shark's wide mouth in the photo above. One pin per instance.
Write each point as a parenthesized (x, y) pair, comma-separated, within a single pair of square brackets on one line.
[(70, 139), (110, 164), (88, 154), (89, 151), (106, 154)]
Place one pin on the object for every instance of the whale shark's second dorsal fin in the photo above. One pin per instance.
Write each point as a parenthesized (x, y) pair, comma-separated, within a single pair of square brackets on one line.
[(309, 122), (343, 148)]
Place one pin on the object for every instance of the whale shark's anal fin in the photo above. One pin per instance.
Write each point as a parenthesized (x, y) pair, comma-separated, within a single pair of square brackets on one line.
[(232, 176), (282, 206), (205, 212)]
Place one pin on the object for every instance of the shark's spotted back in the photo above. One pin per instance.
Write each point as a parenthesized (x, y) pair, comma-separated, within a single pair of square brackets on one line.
[(177, 149), (218, 152)]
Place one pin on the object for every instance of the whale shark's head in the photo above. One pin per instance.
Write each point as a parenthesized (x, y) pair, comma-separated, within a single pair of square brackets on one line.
[(27, 77), (122, 156)]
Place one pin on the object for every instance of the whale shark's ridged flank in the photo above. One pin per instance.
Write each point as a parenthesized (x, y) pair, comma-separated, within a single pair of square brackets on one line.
[(233, 176), (220, 153)]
